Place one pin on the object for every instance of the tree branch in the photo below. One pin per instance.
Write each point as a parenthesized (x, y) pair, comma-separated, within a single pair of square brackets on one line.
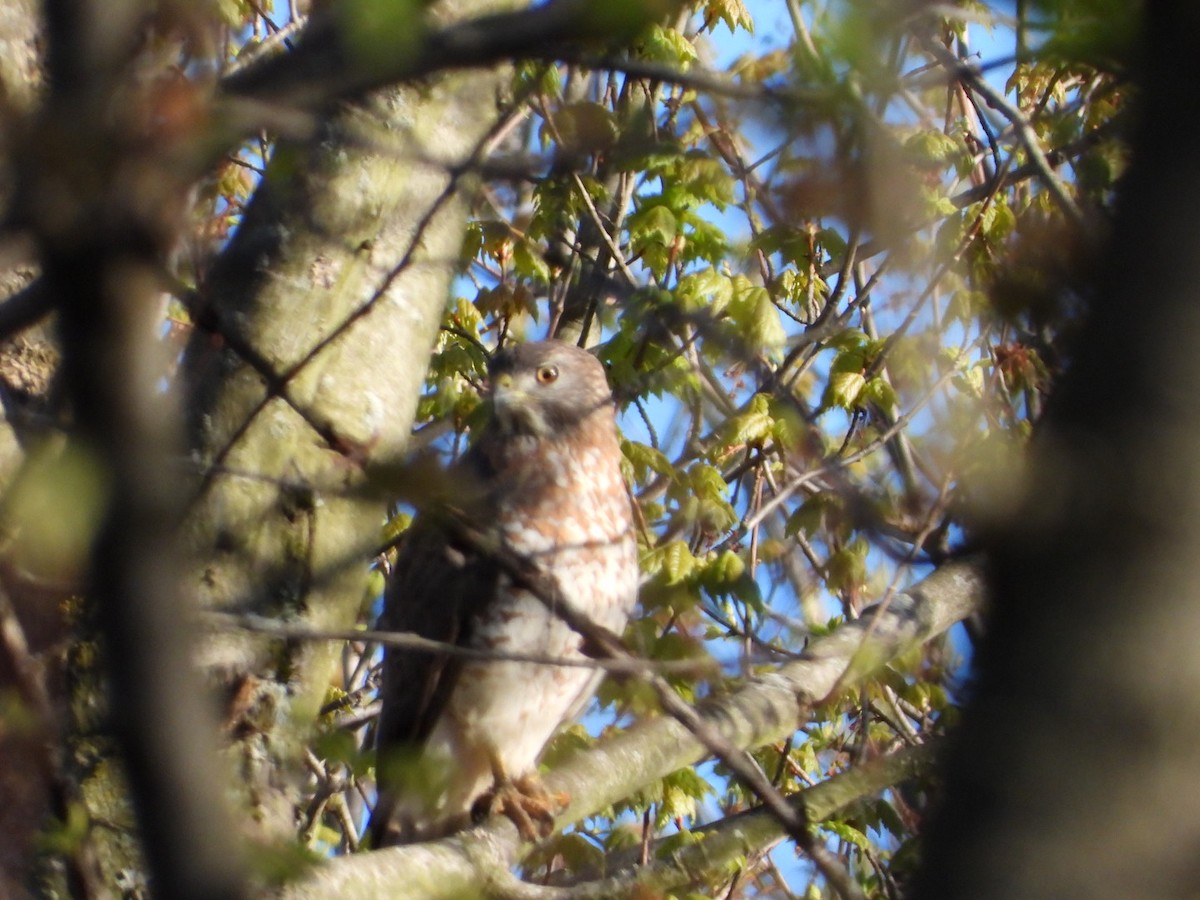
[(766, 709), (326, 66), (627, 664), (1073, 773), (26, 307), (724, 843), (1025, 133)]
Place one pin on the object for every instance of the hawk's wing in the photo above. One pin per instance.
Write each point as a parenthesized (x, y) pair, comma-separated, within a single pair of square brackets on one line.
[(437, 589)]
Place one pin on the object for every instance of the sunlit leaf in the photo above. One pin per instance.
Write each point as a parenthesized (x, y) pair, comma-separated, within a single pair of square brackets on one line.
[(666, 45), (732, 12)]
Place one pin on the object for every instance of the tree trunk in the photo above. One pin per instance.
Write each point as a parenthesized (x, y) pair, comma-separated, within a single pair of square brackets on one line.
[(320, 318), (1078, 762)]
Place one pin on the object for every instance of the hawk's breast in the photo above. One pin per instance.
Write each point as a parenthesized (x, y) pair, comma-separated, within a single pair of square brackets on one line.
[(568, 512)]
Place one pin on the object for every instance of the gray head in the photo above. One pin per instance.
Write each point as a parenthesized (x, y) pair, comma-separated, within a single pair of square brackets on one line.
[(544, 388)]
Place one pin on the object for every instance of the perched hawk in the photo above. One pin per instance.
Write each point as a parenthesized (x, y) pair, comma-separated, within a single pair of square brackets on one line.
[(457, 737)]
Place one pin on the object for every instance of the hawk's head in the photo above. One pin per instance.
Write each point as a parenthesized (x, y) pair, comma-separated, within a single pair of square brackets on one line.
[(546, 388)]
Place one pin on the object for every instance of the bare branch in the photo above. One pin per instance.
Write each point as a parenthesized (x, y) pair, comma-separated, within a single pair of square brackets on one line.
[(628, 665)]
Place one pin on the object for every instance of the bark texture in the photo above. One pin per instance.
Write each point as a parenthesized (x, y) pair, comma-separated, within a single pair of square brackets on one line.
[(320, 319)]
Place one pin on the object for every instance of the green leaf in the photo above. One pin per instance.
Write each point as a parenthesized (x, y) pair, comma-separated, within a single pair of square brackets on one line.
[(844, 389), (529, 262), (847, 568), (755, 69), (666, 45), (706, 178), (998, 221), (704, 240), (814, 514), (789, 426), (338, 746), (646, 460), (732, 12), (831, 240), (706, 289), (538, 77), (681, 791), (726, 575), (652, 233), (465, 316), (678, 562), (931, 146), (583, 128), (849, 834), (793, 244), (235, 13), (653, 223), (848, 339), (507, 300), (701, 498), (753, 426), (767, 331), (707, 481), (794, 285), (575, 851), (879, 392), (666, 847), (890, 819), (568, 741), (756, 317), (495, 239), (725, 569)]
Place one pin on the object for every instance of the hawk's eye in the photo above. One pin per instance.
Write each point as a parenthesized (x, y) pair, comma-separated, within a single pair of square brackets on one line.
[(547, 374)]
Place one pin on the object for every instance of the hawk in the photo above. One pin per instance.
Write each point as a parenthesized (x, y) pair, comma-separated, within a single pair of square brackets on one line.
[(460, 737)]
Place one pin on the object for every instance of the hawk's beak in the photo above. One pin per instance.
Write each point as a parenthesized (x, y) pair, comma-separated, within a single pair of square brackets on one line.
[(513, 408), (505, 392), (507, 402)]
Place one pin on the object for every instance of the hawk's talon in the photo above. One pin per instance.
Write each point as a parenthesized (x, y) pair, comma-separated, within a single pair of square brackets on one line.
[(525, 802)]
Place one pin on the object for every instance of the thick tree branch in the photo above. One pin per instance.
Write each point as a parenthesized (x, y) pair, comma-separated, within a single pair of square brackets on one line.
[(722, 844), (330, 64), (765, 710), (333, 290)]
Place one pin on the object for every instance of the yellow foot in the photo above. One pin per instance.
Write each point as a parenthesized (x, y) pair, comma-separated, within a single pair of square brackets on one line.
[(526, 802)]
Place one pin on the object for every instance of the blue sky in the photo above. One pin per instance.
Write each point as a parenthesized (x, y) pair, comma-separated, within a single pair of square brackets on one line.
[(773, 30)]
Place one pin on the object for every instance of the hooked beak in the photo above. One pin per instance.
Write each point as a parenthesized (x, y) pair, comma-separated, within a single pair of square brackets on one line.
[(513, 409)]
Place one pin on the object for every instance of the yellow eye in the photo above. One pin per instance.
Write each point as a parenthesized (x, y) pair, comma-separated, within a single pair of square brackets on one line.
[(547, 374)]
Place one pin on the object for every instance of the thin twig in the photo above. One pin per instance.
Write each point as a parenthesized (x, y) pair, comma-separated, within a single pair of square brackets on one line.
[(410, 641), (1025, 133)]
